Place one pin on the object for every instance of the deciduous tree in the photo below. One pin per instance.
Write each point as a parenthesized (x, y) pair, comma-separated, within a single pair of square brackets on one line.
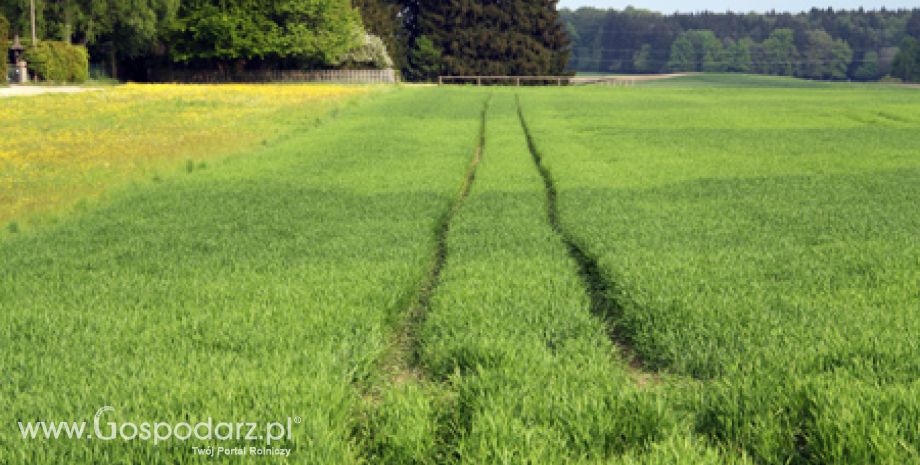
[(303, 31), (824, 57), (907, 62), (781, 53), (868, 70)]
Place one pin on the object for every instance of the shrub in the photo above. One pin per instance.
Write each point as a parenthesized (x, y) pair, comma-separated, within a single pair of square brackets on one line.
[(4, 47), (370, 53), (58, 61)]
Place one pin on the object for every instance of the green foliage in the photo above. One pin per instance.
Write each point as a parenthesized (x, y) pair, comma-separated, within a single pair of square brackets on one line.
[(907, 63), (208, 32), (609, 40), (58, 61), (4, 48), (913, 25), (372, 53), (306, 31), (111, 29), (696, 51), (424, 60), (738, 56), (642, 60), (868, 70), (825, 57), (780, 53), (683, 55), (316, 29), (495, 37), (383, 18)]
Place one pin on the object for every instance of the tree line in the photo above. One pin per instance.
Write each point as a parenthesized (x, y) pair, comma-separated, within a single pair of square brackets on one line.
[(820, 44), (422, 38)]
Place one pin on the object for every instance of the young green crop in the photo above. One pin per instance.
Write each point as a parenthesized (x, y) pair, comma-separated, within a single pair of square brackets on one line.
[(254, 291), (753, 249), (518, 369), (762, 242)]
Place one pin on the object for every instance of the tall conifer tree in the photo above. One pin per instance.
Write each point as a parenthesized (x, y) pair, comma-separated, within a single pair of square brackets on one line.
[(494, 37)]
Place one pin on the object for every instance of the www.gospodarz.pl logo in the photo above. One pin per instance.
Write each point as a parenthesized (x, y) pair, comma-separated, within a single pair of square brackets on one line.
[(105, 429)]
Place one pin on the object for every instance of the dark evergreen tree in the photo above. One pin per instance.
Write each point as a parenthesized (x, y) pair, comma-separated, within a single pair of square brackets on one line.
[(913, 25), (495, 37)]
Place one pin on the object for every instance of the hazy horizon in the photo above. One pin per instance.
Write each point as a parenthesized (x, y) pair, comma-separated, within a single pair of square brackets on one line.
[(670, 6)]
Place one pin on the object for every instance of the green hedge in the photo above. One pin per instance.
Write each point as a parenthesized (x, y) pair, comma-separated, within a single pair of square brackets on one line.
[(4, 48), (58, 61)]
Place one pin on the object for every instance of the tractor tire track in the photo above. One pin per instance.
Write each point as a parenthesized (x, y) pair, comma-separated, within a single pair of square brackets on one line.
[(401, 363), (600, 290)]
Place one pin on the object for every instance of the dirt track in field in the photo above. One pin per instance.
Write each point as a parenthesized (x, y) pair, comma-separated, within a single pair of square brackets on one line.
[(625, 79), (25, 91)]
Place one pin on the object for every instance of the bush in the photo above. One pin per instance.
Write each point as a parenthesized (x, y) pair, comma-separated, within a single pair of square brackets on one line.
[(58, 61), (371, 53), (4, 47)]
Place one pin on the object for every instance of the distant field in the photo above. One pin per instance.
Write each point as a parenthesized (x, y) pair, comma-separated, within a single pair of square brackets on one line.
[(724, 80), (718, 272), (55, 149), (732, 80)]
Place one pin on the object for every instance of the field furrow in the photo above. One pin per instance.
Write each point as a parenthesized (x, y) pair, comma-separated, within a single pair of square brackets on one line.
[(600, 290)]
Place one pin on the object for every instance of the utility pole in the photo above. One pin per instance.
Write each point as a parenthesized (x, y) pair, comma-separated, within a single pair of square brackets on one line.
[(34, 38)]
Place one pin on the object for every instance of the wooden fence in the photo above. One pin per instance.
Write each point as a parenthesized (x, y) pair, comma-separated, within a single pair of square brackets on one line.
[(513, 80), (620, 81), (344, 76)]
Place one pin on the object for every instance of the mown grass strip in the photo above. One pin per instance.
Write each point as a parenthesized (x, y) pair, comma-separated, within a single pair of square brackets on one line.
[(599, 288)]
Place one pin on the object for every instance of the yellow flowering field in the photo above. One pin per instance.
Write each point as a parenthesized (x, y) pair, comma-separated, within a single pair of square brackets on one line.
[(58, 149)]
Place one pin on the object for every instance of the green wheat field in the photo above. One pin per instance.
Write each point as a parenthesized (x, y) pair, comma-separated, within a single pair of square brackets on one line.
[(707, 270)]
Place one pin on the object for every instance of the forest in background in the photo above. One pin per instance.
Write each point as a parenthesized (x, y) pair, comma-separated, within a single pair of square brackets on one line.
[(421, 38), (818, 44)]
